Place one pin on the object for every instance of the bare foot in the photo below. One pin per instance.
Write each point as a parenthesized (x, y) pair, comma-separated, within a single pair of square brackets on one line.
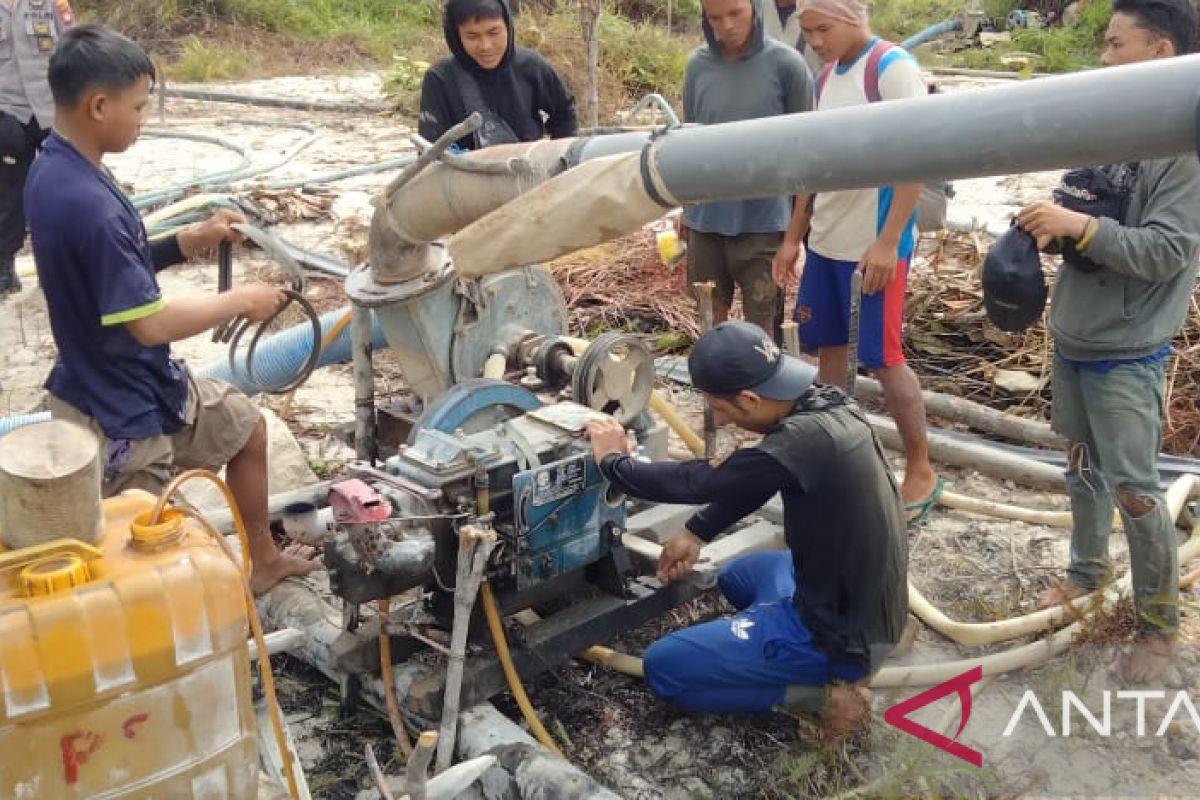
[(293, 560), (917, 486), (1147, 660), (1065, 592), (908, 636), (847, 709)]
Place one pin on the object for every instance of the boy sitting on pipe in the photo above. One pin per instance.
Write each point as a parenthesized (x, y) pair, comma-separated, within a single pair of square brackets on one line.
[(1130, 242), (114, 373), (813, 622)]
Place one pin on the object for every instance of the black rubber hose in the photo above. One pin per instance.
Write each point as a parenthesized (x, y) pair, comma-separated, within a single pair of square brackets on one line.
[(277, 102), (314, 355)]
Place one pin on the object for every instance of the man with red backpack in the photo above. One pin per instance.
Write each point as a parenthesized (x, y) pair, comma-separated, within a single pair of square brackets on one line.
[(871, 231)]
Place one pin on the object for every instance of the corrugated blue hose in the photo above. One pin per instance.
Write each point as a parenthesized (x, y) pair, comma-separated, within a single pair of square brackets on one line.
[(931, 33), (276, 361)]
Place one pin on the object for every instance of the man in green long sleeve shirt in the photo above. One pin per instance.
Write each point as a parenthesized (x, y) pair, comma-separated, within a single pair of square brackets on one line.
[(1121, 295)]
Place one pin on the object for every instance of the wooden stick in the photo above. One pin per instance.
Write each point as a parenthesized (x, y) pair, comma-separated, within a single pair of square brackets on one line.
[(852, 344), (416, 773), (377, 775), (791, 338), (389, 680), (704, 298), (474, 547)]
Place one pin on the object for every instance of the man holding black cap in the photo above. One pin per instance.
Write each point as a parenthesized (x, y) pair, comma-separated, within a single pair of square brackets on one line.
[(814, 622), (1130, 238)]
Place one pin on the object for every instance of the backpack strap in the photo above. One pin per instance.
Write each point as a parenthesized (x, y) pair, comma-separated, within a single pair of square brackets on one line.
[(494, 130), (823, 78), (871, 77), (871, 72)]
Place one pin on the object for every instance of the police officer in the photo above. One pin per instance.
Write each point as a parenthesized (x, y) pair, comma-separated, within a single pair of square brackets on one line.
[(29, 29)]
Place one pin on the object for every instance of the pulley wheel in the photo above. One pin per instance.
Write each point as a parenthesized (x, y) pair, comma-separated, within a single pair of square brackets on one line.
[(614, 375)]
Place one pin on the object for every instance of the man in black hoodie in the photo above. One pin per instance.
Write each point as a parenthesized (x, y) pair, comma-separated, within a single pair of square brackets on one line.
[(521, 97)]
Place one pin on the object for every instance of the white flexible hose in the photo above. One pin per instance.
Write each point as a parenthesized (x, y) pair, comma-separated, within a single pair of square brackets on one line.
[(981, 633)]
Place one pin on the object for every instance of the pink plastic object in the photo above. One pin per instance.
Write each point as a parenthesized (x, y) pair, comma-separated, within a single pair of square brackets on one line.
[(355, 503)]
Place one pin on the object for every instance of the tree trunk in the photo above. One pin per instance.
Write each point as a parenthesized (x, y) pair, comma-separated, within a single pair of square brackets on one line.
[(974, 415), (589, 20)]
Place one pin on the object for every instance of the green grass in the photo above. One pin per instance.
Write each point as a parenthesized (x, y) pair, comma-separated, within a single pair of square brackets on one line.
[(323, 19), (635, 57), (378, 27), (201, 62), (1057, 49), (209, 40)]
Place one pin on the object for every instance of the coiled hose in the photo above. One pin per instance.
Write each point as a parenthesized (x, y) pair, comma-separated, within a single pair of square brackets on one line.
[(233, 330)]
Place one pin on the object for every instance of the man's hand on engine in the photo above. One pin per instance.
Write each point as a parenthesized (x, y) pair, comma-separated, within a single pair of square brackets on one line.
[(679, 557), (607, 437)]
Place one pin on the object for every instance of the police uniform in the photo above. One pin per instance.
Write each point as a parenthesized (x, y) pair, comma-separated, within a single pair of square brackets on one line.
[(29, 30)]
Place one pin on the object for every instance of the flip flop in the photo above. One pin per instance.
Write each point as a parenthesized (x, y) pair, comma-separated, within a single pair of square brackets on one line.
[(923, 507)]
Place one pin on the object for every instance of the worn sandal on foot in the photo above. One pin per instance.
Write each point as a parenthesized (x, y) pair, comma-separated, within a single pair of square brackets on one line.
[(923, 507)]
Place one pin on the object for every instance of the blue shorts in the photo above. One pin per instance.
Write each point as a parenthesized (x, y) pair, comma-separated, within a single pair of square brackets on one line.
[(745, 663), (823, 311)]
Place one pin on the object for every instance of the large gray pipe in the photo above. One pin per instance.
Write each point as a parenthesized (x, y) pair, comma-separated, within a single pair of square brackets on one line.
[(1104, 116), (1139, 111)]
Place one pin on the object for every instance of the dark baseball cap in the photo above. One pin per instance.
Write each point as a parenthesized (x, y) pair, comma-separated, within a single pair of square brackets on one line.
[(1014, 287), (738, 356)]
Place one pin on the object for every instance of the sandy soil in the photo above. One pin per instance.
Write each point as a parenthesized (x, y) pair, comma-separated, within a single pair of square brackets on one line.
[(973, 568)]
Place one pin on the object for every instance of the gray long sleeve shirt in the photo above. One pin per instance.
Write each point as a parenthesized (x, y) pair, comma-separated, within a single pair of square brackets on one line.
[(769, 79), (1138, 300)]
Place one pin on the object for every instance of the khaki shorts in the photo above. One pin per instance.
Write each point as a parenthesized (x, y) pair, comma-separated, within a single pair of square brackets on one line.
[(217, 425), (742, 262)]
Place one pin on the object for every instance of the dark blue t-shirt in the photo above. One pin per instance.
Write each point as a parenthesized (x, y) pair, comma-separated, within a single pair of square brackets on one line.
[(95, 266)]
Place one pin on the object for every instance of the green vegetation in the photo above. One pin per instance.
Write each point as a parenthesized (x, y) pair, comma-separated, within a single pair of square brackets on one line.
[(225, 39), (318, 19), (683, 12), (202, 62), (635, 57), (210, 40), (1065, 48)]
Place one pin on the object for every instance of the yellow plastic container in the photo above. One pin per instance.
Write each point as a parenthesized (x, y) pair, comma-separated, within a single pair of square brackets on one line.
[(124, 670)]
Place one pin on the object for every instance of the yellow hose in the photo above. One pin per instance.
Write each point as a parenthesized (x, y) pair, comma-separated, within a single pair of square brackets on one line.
[(975, 634), (494, 366), (264, 658), (991, 508), (389, 681), (336, 330), (483, 499), (196, 201), (621, 662), (661, 406), (510, 671)]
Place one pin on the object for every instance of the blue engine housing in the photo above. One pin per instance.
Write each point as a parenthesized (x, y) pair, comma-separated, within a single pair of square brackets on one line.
[(555, 512), (565, 516)]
